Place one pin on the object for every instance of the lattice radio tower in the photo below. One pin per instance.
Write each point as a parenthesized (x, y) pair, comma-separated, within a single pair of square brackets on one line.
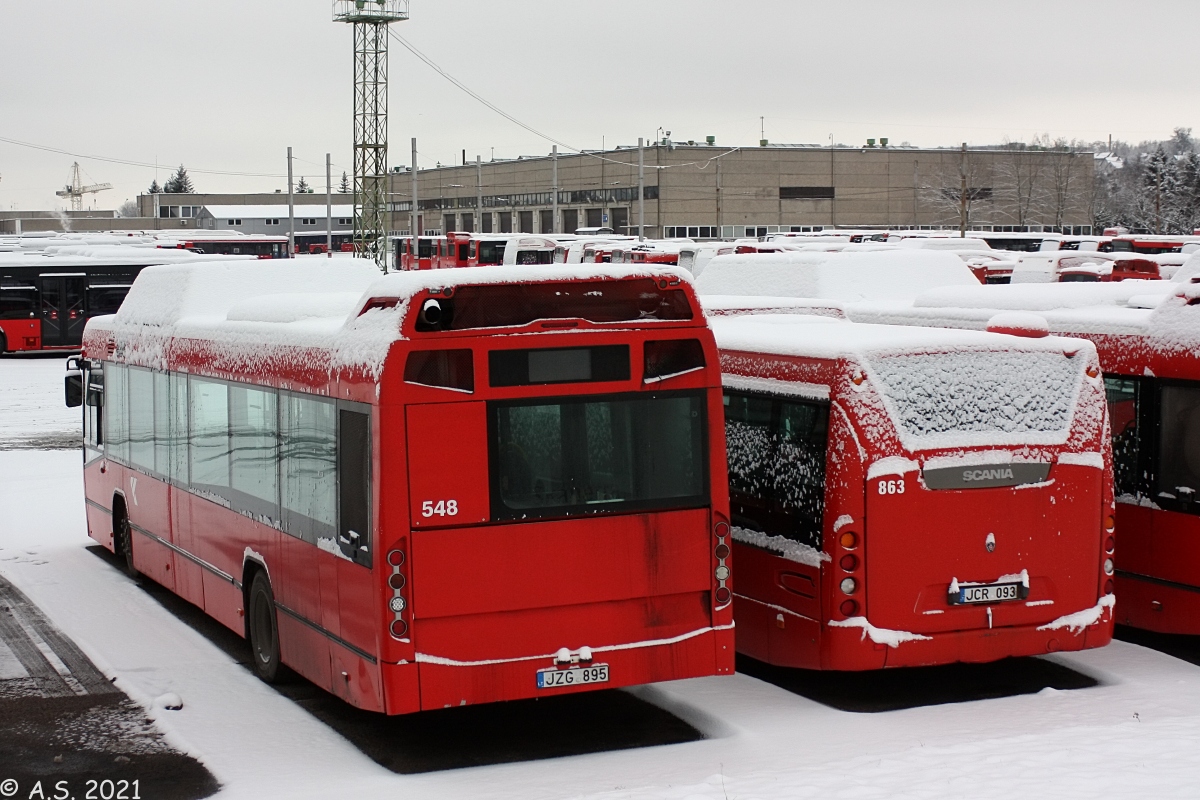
[(370, 19)]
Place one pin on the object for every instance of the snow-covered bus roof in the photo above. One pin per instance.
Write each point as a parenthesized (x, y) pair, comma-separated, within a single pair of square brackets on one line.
[(941, 388), (891, 275), (245, 311)]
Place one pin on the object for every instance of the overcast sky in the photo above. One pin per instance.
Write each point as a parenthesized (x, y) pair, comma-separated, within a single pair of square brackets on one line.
[(226, 86)]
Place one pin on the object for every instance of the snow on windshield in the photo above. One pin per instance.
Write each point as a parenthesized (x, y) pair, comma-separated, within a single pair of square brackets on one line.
[(978, 397)]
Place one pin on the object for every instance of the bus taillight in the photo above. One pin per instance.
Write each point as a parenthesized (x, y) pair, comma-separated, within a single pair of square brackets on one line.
[(722, 595), (848, 563), (396, 581), (849, 608), (848, 540)]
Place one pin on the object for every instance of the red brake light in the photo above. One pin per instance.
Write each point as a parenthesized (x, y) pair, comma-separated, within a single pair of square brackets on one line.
[(396, 558), (722, 551), (849, 563), (848, 608), (1108, 586), (396, 580), (399, 628), (723, 596)]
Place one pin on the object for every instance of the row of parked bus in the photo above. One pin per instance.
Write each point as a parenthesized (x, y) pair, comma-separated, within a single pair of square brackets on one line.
[(453, 486), (51, 285)]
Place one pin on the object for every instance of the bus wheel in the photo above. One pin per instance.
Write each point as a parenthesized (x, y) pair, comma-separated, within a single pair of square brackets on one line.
[(264, 629), (3, 343), (124, 545)]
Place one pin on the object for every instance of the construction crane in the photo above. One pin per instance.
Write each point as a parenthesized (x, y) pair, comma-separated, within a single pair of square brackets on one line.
[(76, 190)]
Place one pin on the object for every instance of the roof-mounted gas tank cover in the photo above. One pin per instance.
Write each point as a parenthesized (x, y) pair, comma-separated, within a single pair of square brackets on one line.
[(510, 305)]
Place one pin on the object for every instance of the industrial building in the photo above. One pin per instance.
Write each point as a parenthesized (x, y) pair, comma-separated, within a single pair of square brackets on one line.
[(705, 191)]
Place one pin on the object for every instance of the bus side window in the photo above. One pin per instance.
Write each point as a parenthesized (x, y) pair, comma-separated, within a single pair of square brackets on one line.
[(1178, 473), (116, 419), (1123, 408), (800, 470), (354, 485), (748, 441), (93, 415)]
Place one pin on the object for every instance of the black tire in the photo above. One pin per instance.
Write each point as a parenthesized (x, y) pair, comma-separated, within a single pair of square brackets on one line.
[(3, 343), (123, 543), (263, 628)]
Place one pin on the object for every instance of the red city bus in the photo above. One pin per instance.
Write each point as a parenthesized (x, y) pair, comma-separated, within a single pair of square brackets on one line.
[(907, 497), (250, 245), (1146, 335), (1148, 244), (424, 256), (46, 299), (421, 490)]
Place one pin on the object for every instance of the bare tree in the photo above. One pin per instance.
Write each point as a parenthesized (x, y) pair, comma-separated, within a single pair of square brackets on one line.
[(960, 185), (128, 210), (1021, 185), (1065, 171)]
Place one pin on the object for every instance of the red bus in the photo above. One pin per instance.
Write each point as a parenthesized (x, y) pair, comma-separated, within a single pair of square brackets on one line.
[(1146, 335), (421, 490), (252, 245), (908, 497), (47, 299), (407, 256), (1148, 244)]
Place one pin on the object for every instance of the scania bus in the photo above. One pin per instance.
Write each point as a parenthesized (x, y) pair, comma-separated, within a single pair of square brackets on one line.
[(1146, 333), (908, 496), (423, 490)]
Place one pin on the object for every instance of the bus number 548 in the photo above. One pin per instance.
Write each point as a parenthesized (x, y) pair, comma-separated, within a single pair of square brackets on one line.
[(442, 508), (889, 487)]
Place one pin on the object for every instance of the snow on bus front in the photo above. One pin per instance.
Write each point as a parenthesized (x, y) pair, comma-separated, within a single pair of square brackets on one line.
[(987, 492)]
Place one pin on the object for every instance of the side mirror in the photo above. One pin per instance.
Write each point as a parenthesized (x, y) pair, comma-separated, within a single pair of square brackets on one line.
[(74, 389)]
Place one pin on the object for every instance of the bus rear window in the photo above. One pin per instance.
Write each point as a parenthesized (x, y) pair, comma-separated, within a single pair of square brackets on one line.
[(591, 455), (954, 399), (559, 365), (516, 305)]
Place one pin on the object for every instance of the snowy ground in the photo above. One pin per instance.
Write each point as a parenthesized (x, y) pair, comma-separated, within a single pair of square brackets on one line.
[(32, 411), (1134, 734)]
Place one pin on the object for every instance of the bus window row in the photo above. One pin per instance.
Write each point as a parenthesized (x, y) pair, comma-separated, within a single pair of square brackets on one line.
[(299, 461)]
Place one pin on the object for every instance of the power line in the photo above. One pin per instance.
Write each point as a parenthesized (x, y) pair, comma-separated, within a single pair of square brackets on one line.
[(467, 90), (129, 163)]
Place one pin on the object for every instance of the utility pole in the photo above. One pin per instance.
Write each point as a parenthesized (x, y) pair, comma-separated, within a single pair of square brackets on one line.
[(416, 216), (962, 196), (329, 207), (554, 198), (642, 189), (719, 199), (291, 211), (479, 194)]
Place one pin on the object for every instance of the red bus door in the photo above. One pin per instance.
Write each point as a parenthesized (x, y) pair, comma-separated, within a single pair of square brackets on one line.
[(62, 310)]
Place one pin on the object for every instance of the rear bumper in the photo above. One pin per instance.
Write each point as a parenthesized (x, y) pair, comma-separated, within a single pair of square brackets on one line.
[(433, 683), (854, 649)]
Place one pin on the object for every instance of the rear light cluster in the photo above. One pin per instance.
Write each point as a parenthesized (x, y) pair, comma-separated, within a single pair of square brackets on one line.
[(849, 564), (1110, 549), (723, 595), (396, 582)]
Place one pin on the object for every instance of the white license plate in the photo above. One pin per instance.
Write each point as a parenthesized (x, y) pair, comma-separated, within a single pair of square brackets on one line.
[(992, 593), (575, 676)]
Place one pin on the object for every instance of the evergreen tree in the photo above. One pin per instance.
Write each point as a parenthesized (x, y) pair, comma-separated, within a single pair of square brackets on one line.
[(179, 183), (1157, 180), (344, 187), (302, 187), (155, 188)]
